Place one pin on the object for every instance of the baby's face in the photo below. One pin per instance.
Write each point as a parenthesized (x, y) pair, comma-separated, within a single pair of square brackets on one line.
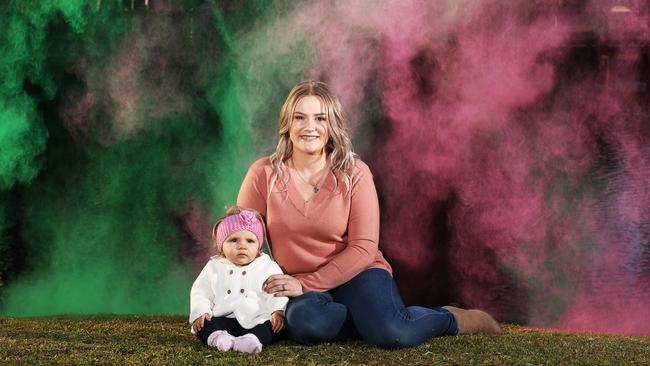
[(241, 247)]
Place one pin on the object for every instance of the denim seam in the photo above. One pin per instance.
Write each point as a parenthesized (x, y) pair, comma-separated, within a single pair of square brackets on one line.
[(402, 314)]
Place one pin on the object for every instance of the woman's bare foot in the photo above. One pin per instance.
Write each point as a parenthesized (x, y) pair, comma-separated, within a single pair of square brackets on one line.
[(474, 321)]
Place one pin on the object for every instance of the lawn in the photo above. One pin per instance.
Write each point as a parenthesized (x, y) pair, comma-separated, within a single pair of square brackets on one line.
[(157, 340)]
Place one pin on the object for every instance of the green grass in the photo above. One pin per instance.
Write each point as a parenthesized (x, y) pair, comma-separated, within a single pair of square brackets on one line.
[(155, 340)]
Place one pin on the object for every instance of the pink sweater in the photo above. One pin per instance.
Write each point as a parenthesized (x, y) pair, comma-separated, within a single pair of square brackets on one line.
[(326, 241)]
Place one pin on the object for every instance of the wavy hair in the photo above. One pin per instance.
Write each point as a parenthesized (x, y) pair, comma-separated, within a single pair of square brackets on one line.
[(338, 149)]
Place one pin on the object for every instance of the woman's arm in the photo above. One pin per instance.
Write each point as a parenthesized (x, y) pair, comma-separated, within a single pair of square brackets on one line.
[(363, 236), (252, 193)]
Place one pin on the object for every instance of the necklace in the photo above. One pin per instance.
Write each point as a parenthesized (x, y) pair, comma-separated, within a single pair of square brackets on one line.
[(314, 187)]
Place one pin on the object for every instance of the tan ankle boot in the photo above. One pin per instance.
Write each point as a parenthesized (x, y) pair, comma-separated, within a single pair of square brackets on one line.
[(474, 321)]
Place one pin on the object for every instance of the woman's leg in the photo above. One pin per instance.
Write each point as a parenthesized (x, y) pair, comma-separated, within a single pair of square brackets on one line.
[(381, 317), (314, 317)]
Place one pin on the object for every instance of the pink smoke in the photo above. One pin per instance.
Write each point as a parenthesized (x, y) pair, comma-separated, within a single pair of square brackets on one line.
[(491, 162), (197, 243)]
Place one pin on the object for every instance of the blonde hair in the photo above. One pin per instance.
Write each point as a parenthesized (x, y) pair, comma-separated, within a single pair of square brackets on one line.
[(338, 148), (234, 210)]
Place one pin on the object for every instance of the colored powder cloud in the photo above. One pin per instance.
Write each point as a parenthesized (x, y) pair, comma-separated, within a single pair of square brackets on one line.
[(508, 146), (126, 158), (22, 136), (490, 160)]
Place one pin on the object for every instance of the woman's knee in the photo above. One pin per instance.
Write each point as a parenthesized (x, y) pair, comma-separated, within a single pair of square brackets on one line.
[(306, 306), (314, 318)]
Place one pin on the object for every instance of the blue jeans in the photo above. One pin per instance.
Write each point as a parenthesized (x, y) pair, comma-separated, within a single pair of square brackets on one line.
[(368, 307)]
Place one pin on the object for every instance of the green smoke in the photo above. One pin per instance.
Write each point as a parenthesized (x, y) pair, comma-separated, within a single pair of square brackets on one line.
[(22, 138), (106, 221), (22, 134), (114, 123), (101, 222)]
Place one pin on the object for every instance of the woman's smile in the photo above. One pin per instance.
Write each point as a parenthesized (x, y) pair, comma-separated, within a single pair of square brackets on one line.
[(309, 138), (309, 129)]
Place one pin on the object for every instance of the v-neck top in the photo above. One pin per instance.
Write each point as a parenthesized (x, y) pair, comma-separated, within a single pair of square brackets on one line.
[(325, 241)]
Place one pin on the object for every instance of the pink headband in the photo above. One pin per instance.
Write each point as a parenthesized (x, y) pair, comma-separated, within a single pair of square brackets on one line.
[(245, 220)]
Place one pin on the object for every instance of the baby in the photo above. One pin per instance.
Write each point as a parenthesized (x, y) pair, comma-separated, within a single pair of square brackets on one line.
[(228, 307)]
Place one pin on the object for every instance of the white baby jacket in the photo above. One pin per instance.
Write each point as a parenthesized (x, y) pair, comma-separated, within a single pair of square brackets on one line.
[(225, 289)]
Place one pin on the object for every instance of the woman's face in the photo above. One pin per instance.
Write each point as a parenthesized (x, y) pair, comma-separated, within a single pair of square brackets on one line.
[(309, 130)]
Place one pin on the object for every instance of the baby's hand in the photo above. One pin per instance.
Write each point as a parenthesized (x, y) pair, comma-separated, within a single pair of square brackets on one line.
[(277, 321), (197, 325)]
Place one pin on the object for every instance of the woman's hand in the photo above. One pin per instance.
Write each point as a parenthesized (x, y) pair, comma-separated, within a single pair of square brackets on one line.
[(277, 321), (283, 285), (198, 323)]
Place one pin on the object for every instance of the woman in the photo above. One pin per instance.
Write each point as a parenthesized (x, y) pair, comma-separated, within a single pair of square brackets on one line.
[(322, 213)]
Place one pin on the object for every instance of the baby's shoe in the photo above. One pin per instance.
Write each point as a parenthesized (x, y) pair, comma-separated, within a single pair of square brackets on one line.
[(248, 343), (221, 340)]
